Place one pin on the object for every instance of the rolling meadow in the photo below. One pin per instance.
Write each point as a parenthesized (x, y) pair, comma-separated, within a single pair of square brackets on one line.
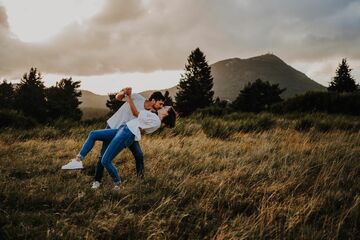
[(241, 176)]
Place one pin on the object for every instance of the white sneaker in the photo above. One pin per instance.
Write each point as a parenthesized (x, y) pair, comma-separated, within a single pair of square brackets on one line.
[(95, 185), (73, 164), (118, 187)]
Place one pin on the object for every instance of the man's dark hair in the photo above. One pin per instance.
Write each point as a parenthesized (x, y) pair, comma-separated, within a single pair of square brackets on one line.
[(157, 96), (170, 119)]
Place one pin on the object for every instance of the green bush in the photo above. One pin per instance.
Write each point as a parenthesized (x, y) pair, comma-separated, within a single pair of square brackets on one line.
[(217, 128), (13, 119), (255, 124), (323, 126), (184, 127), (221, 128), (325, 122), (214, 110), (304, 124), (328, 102), (240, 115)]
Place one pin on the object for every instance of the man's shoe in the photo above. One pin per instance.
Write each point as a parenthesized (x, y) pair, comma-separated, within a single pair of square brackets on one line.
[(95, 185), (73, 164)]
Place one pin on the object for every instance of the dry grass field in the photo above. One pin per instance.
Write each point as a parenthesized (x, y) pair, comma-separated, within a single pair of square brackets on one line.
[(290, 179)]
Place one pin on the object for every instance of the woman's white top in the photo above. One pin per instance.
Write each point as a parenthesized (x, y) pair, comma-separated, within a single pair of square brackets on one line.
[(147, 121)]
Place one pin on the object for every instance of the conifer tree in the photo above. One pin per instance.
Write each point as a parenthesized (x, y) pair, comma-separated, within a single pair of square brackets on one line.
[(195, 87), (7, 95), (62, 100), (343, 81), (168, 99), (30, 96)]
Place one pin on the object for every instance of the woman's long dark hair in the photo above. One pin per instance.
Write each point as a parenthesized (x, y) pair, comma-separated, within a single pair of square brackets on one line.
[(170, 119)]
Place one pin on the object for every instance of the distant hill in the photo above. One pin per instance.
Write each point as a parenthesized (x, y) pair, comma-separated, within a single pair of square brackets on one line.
[(92, 100), (172, 92), (93, 105), (231, 75)]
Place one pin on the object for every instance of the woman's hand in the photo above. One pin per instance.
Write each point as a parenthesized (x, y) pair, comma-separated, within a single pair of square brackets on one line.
[(128, 91), (120, 95), (123, 92)]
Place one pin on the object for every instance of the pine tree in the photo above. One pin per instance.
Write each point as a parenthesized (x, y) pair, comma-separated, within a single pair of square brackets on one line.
[(257, 96), (168, 99), (343, 81), (195, 87), (30, 96), (62, 100), (113, 104), (7, 95)]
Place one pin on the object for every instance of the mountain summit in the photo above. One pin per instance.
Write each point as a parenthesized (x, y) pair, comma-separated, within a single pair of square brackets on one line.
[(231, 75)]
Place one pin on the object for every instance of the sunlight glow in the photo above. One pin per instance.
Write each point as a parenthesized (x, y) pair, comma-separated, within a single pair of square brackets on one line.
[(40, 20)]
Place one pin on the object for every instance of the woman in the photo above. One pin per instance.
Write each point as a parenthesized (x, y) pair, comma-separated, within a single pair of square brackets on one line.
[(145, 122)]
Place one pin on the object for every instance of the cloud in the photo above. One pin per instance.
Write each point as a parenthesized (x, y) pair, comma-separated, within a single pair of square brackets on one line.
[(9, 47), (3, 18), (115, 12), (144, 36)]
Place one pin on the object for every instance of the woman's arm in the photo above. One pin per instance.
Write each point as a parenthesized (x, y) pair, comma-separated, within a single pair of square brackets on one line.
[(132, 106)]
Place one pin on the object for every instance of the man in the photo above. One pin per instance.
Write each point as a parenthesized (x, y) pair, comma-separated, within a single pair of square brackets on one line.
[(118, 120)]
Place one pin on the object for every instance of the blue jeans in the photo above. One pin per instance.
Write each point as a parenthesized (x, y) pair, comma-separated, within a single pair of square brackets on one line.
[(135, 150), (117, 139), (105, 136), (123, 138)]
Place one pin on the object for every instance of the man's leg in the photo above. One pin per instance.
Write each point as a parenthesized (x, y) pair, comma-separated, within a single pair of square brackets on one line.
[(139, 158), (105, 144), (99, 171)]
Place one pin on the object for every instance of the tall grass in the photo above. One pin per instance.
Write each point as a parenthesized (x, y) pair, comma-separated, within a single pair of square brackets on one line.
[(270, 182)]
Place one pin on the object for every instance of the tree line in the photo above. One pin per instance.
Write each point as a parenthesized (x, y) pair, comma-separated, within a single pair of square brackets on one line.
[(31, 101)]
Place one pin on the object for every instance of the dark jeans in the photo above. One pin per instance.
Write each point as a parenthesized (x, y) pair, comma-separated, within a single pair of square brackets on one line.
[(135, 150)]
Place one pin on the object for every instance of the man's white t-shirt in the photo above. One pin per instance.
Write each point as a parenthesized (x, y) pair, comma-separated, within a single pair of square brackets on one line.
[(147, 121), (124, 114)]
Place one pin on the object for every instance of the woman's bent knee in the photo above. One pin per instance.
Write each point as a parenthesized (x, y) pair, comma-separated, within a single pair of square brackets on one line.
[(92, 134)]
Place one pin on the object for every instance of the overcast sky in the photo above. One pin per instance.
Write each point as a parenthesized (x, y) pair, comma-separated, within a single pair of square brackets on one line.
[(145, 43)]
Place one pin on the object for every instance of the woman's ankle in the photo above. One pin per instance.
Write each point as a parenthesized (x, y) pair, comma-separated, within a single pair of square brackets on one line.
[(79, 158)]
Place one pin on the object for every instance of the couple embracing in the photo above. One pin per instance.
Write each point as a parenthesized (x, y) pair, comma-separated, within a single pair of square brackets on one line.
[(124, 129)]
